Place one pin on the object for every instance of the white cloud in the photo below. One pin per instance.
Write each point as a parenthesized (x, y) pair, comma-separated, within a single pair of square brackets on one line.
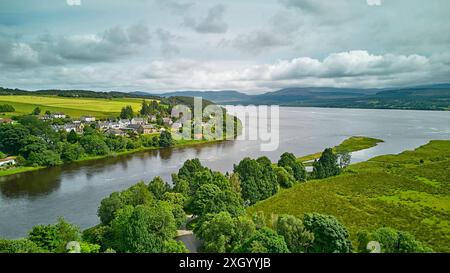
[(374, 2), (212, 23)]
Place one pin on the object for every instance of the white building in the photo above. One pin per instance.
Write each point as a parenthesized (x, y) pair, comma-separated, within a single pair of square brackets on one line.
[(88, 119), (9, 161)]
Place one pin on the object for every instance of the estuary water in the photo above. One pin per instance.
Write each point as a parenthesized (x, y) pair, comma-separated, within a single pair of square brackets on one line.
[(74, 191)]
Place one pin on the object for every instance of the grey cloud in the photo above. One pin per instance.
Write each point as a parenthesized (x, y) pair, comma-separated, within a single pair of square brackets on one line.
[(109, 45), (259, 41), (176, 7), (168, 48), (212, 23)]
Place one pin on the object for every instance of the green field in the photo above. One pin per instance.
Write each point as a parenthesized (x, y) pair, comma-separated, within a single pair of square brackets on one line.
[(409, 191), (74, 107)]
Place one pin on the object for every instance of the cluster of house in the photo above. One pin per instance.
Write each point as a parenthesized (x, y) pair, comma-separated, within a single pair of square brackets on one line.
[(122, 127)]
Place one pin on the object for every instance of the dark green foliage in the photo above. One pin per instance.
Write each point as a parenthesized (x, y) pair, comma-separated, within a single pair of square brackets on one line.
[(165, 139), (44, 158), (223, 233), (37, 111), (297, 238), (264, 240), (72, 137), (11, 137), (330, 236), (288, 160), (327, 165), (127, 113), (94, 144), (134, 196), (146, 109), (19, 246), (258, 179), (144, 229), (158, 187), (4, 108), (284, 177), (391, 241), (54, 238)]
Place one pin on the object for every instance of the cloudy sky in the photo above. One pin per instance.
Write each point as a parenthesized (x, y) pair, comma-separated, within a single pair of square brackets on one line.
[(247, 45)]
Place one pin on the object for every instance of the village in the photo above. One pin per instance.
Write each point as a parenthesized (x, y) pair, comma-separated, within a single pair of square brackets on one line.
[(118, 127)]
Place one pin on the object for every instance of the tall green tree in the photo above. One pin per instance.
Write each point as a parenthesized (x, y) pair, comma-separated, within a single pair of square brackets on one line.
[(327, 165), (264, 240), (298, 238), (165, 139), (258, 179), (330, 236), (288, 160), (127, 112)]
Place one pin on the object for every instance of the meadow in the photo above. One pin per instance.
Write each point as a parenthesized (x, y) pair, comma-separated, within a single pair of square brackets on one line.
[(74, 107), (409, 191)]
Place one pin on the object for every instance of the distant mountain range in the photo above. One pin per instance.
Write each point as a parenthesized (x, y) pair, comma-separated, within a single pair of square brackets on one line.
[(425, 97)]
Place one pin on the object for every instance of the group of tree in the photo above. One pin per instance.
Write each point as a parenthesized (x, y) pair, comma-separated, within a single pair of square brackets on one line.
[(4, 108), (260, 179), (36, 143)]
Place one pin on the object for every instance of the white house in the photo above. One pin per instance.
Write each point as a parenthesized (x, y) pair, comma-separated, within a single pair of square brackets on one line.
[(9, 161), (88, 119), (137, 121), (58, 115)]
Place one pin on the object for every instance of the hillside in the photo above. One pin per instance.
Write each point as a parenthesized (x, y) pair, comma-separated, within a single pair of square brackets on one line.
[(427, 97), (409, 191)]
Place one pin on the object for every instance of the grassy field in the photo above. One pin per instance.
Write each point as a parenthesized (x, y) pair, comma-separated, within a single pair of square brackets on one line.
[(74, 107), (352, 144), (409, 191)]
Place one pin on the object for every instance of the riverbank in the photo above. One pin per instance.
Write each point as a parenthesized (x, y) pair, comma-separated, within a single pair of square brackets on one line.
[(178, 144)]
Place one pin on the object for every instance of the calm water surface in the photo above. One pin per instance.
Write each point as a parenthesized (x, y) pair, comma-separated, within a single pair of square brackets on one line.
[(75, 191)]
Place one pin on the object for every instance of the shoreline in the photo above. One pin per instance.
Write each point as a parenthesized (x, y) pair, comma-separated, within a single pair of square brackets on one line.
[(189, 143)]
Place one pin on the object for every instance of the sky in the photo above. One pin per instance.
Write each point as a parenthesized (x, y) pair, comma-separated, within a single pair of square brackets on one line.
[(247, 45)]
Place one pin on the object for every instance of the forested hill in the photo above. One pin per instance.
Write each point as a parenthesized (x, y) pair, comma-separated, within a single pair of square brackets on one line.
[(429, 97)]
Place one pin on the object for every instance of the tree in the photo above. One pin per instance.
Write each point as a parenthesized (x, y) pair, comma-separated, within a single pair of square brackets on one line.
[(201, 198), (330, 236), (11, 138), (285, 179), (264, 240), (189, 168), (44, 158), (258, 179), (138, 194), (36, 111), (54, 238), (19, 246), (127, 112), (297, 238), (344, 159), (165, 139), (391, 241), (327, 165), (6, 108), (71, 152), (144, 229), (223, 233), (145, 109), (72, 137), (288, 160), (94, 144), (158, 187)]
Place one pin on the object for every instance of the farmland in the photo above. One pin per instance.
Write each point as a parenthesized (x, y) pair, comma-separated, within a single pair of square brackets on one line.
[(409, 191), (74, 107)]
